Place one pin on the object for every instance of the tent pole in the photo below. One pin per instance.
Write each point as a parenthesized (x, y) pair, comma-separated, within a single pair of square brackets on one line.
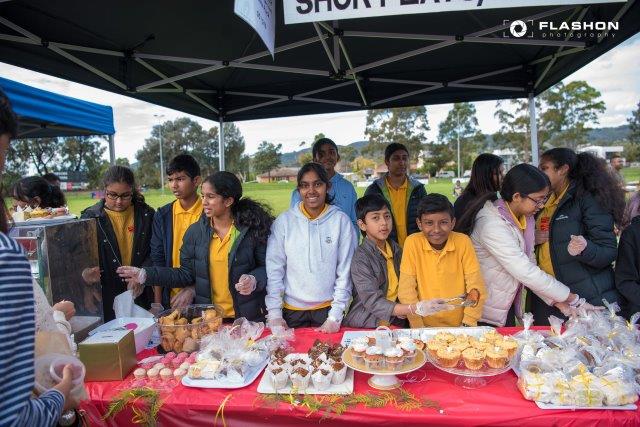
[(221, 145), (534, 129), (112, 151)]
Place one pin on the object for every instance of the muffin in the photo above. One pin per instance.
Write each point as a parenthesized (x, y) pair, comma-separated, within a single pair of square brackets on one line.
[(373, 357), (339, 370), (445, 337), (480, 343), (179, 373), (279, 377), (492, 336), (459, 345), (300, 379), (473, 358), (434, 345), (140, 373), (321, 379), (448, 357), (409, 349), (153, 373), (509, 344), (394, 357), (166, 374), (497, 357)]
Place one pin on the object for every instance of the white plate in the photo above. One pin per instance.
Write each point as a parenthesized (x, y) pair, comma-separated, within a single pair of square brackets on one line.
[(45, 221), (474, 331), (224, 383), (631, 407)]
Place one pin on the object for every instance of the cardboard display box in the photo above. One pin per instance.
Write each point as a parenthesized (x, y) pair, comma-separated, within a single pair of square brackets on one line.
[(108, 355)]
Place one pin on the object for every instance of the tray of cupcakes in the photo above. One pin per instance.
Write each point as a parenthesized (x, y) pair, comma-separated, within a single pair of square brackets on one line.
[(319, 371)]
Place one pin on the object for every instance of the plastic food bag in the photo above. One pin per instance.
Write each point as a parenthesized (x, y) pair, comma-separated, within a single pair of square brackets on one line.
[(123, 306)]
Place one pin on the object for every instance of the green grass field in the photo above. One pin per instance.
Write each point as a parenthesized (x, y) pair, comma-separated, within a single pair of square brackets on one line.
[(275, 195)]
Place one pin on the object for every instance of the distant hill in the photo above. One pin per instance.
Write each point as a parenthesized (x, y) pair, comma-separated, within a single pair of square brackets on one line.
[(291, 158)]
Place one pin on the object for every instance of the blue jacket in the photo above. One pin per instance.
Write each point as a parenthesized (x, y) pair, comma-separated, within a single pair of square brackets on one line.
[(344, 197)]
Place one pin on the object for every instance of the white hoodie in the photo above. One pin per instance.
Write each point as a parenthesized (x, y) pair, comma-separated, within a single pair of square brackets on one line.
[(308, 261)]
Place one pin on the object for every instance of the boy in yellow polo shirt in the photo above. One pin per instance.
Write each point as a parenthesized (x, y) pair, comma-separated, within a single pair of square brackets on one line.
[(171, 223), (440, 263)]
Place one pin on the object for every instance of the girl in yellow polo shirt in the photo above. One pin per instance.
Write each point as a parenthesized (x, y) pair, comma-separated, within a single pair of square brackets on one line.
[(223, 253)]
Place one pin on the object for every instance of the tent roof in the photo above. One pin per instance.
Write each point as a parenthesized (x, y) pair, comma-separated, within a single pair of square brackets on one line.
[(198, 57), (48, 114)]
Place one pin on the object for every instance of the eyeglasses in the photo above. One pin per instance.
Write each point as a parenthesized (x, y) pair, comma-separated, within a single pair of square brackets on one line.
[(115, 196), (539, 203), (316, 185)]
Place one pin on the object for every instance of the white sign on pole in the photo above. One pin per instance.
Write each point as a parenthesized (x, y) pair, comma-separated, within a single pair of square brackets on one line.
[(261, 16), (298, 11)]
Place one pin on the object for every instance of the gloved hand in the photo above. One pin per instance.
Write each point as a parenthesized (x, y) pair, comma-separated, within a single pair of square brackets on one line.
[(576, 245), (329, 326), (429, 307), (135, 288), (132, 275), (581, 306), (183, 298), (246, 284), (276, 323), (91, 275), (156, 308)]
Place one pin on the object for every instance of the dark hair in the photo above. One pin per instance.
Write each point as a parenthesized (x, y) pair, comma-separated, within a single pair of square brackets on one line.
[(485, 167), (370, 203), (434, 203), (319, 143), (26, 189), (8, 125), (246, 212), (116, 174), (616, 156), (322, 174), (392, 148), (51, 178), (524, 179), (184, 163), (591, 176)]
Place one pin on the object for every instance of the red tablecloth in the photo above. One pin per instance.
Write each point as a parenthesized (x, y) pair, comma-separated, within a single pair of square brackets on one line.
[(498, 404)]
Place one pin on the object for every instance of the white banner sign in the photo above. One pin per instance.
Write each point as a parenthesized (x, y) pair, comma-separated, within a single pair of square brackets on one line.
[(297, 11), (261, 16)]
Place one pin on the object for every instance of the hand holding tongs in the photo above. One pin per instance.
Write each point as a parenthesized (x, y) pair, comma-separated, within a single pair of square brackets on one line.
[(468, 299)]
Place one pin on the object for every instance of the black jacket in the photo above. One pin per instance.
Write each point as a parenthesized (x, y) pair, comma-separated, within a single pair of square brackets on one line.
[(628, 266), (110, 257), (589, 274), (246, 257), (416, 192)]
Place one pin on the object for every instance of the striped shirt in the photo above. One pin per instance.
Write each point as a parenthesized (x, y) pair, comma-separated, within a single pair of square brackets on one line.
[(17, 331)]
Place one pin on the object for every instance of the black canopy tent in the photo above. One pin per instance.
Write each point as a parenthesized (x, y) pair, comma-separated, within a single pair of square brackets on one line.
[(199, 58)]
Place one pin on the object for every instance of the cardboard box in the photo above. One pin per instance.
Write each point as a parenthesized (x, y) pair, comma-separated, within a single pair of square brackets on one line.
[(108, 355)]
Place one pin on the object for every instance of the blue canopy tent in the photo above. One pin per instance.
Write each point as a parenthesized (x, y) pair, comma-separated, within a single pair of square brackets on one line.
[(46, 114)]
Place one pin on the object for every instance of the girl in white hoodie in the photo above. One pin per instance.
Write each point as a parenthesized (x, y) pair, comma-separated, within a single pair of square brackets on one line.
[(503, 234), (308, 258)]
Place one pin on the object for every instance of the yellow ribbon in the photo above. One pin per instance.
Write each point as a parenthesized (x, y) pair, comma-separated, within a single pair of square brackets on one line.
[(539, 383)]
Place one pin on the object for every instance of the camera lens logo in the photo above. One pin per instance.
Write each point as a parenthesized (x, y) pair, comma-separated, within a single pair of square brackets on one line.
[(518, 28)]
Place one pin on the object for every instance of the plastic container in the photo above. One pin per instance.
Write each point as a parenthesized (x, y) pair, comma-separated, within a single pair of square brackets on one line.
[(181, 330), (142, 329), (48, 371)]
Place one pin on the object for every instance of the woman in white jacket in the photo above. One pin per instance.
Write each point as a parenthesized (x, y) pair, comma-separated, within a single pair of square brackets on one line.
[(503, 234), (308, 258)]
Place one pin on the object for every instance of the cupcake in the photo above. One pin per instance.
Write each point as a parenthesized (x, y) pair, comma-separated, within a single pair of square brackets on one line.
[(321, 379), (480, 343), (179, 373), (473, 358), (153, 373), (419, 344), (394, 357), (509, 344), (444, 336), (279, 377), (459, 345), (373, 357), (140, 373), (497, 357), (448, 357), (300, 378), (358, 351), (492, 336), (409, 349), (166, 374), (159, 366), (434, 345), (339, 371), (371, 339)]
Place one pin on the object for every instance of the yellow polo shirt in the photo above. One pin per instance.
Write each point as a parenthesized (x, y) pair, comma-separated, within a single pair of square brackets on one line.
[(182, 219), (123, 227), (392, 277), (326, 303), (426, 273), (543, 251), (399, 209), (219, 270), (521, 221)]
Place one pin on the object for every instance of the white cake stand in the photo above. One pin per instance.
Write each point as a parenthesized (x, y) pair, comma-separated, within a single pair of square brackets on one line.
[(383, 379)]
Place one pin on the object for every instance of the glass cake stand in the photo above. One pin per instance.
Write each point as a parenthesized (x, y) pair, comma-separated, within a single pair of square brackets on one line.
[(469, 378), (383, 379)]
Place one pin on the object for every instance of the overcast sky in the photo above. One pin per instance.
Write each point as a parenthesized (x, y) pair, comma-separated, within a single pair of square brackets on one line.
[(616, 75)]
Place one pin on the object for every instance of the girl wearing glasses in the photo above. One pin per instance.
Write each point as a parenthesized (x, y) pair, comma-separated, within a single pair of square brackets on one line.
[(308, 258), (575, 239), (124, 233), (503, 233)]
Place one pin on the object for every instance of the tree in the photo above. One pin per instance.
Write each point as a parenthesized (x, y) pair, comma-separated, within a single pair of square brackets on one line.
[(41, 153), (569, 110), (515, 126), (267, 158), (461, 125), (78, 152), (438, 156), (406, 125), (634, 125), (360, 164), (304, 158), (347, 155)]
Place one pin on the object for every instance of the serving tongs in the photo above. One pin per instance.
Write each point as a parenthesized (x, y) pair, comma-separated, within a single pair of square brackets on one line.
[(468, 299)]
